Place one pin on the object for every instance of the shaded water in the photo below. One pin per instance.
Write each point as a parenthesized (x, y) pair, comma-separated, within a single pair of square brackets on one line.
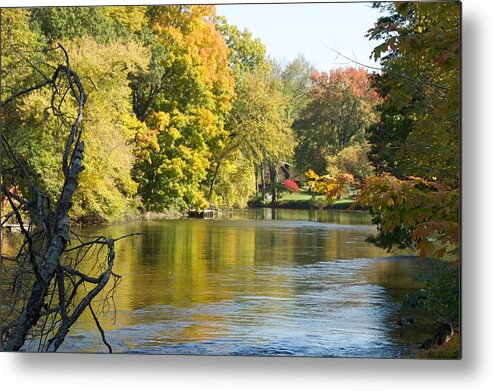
[(257, 282)]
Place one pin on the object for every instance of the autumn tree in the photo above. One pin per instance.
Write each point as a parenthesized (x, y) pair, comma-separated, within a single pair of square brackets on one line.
[(417, 138), (47, 287), (341, 106), (104, 194), (418, 133), (418, 141), (182, 100)]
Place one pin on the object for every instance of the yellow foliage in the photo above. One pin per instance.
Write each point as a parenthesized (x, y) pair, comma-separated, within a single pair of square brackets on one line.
[(333, 187), (106, 187), (132, 18)]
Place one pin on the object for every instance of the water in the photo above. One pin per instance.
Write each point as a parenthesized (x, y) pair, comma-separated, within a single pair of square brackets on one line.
[(259, 282)]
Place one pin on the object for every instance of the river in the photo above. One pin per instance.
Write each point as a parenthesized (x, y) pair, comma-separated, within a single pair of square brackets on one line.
[(255, 282)]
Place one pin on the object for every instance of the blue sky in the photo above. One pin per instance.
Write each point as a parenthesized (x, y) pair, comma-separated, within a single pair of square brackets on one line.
[(285, 29), (311, 29)]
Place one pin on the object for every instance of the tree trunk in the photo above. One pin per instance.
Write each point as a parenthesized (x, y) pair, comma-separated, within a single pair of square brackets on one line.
[(256, 180), (262, 179), (214, 177), (273, 181), (72, 166), (47, 253)]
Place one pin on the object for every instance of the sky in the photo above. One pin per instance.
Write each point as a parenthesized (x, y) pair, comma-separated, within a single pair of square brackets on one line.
[(285, 29), (310, 29)]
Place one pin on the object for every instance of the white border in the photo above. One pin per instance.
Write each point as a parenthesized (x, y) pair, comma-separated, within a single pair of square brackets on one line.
[(474, 372)]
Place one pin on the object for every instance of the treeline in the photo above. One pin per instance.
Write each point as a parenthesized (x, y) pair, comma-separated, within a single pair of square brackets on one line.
[(414, 151), (414, 148), (414, 144), (184, 110)]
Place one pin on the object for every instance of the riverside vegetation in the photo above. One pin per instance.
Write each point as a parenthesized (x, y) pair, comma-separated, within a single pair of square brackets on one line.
[(183, 111)]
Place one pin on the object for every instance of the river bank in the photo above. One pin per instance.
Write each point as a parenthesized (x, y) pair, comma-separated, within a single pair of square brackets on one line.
[(306, 201), (301, 201), (130, 218)]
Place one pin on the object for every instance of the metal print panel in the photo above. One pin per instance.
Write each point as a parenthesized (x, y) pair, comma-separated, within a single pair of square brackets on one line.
[(243, 179)]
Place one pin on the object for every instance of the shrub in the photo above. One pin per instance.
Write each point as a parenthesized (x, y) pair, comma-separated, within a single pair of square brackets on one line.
[(291, 186)]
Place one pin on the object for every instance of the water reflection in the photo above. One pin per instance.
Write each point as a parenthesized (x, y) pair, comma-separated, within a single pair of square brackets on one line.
[(254, 282)]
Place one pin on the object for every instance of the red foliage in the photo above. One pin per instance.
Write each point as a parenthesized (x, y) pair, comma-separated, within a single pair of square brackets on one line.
[(292, 186), (356, 80)]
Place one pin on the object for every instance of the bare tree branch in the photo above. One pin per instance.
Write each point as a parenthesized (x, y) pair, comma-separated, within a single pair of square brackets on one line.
[(407, 77), (44, 276)]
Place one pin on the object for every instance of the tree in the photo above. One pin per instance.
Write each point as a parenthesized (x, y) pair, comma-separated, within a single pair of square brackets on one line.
[(246, 54), (103, 195), (297, 78), (417, 136), (341, 106), (415, 213), (259, 125), (352, 160), (111, 194), (332, 187), (418, 133), (417, 140), (183, 101), (232, 178), (43, 273)]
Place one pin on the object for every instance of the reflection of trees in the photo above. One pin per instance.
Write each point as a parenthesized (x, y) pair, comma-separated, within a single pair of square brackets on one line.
[(184, 264), (398, 277)]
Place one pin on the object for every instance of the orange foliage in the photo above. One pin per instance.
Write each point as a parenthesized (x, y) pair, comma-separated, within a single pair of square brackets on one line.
[(333, 187), (427, 209)]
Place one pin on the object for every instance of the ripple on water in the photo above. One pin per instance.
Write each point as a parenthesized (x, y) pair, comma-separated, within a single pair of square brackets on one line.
[(254, 287), (329, 312)]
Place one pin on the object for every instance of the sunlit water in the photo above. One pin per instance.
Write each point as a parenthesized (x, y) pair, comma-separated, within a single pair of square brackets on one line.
[(261, 282)]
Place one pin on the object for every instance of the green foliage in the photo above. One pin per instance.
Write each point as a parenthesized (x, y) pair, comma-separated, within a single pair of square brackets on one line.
[(19, 43), (233, 165), (175, 162), (246, 54), (420, 120), (415, 213), (259, 128), (352, 160), (296, 77), (341, 106), (183, 99), (259, 123), (101, 23), (106, 188), (440, 296), (235, 183)]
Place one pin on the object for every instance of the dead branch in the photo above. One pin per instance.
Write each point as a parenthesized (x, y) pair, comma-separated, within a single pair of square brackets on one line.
[(44, 279), (101, 330)]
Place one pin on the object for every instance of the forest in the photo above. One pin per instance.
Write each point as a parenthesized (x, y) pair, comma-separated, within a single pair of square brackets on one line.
[(186, 112)]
